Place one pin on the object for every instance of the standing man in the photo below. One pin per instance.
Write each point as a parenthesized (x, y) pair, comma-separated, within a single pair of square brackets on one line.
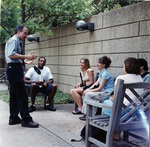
[(40, 79), (15, 75)]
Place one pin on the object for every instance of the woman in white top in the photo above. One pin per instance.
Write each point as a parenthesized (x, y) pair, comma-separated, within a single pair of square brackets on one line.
[(132, 75), (88, 80)]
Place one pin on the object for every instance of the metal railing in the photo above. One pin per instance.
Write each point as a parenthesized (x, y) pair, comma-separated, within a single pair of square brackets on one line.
[(3, 78)]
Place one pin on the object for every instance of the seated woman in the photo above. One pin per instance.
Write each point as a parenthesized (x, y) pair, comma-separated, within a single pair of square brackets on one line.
[(103, 87), (144, 70), (88, 79), (132, 75)]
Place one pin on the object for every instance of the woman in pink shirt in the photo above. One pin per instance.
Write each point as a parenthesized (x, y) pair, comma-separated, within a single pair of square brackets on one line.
[(88, 80)]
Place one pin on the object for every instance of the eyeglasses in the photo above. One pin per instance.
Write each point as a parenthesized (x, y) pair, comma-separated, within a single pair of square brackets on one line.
[(25, 33)]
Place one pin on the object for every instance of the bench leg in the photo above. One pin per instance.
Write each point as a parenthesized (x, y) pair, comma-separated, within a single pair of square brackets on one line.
[(45, 99), (88, 130), (125, 135)]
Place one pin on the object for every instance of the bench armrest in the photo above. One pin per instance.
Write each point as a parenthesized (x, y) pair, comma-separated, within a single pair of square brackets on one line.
[(96, 104)]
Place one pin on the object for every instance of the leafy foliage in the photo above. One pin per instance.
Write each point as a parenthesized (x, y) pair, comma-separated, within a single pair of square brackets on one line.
[(40, 16), (101, 6)]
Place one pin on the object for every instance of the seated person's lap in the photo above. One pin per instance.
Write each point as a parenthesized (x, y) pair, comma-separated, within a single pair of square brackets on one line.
[(45, 90)]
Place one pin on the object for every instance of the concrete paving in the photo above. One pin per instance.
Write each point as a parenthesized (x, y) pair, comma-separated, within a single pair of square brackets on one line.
[(3, 86), (56, 129)]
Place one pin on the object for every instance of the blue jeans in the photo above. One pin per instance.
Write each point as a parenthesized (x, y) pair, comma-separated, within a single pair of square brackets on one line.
[(18, 96), (108, 111), (45, 90)]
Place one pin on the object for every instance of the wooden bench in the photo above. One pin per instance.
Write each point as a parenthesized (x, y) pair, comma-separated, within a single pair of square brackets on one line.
[(129, 123)]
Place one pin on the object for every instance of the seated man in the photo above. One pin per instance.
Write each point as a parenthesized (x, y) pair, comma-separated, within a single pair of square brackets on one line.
[(40, 79), (144, 70)]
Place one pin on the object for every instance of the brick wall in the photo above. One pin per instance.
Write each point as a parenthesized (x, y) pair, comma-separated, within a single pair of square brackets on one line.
[(118, 34)]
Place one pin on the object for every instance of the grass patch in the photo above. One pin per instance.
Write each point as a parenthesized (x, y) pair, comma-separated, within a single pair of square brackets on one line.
[(59, 98), (4, 96)]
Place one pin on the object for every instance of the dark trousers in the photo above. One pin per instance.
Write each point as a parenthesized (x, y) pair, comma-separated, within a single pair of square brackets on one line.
[(18, 95)]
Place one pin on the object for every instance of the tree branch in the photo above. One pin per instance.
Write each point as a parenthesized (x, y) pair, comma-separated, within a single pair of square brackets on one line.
[(28, 17), (6, 29), (55, 3)]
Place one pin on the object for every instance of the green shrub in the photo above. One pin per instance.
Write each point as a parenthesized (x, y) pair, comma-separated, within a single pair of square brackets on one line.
[(63, 98), (59, 98)]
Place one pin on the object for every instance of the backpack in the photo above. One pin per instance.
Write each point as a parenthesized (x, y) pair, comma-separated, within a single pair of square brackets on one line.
[(96, 133), (82, 134)]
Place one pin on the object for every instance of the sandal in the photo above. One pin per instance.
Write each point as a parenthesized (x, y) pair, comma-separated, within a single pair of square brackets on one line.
[(77, 111), (83, 118)]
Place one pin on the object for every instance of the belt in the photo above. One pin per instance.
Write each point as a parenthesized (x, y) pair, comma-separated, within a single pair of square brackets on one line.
[(12, 63)]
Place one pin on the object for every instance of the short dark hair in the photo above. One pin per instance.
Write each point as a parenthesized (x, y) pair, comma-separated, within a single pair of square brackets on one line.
[(20, 27), (105, 60), (143, 62), (86, 61), (132, 66), (41, 58)]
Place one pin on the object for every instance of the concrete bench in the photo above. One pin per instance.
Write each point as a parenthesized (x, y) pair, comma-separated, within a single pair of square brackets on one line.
[(129, 123)]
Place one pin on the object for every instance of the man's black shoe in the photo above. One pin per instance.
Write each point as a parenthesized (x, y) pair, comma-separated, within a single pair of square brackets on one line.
[(48, 107), (30, 124), (15, 121), (32, 108)]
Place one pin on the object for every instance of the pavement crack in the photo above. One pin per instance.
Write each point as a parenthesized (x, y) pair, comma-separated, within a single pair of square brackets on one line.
[(56, 135)]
